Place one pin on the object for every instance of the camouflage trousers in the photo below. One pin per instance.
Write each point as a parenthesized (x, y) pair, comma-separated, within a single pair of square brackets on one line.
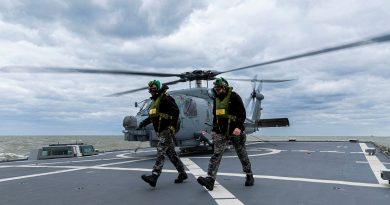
[(220, 143), (166, 146)]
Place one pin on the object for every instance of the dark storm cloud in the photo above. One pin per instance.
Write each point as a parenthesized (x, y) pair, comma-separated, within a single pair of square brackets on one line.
[(121, 19)]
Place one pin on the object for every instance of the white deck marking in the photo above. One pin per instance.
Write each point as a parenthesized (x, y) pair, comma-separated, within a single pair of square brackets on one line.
[(271, 151), (302, 151), (375, 164), (322, 181), (69, 169), (78, 161), (93, 167), (332, 151), (361, 162), (40, 174), (365, 162), (357, 152), (219, 193), (196, 171), (109, 164)]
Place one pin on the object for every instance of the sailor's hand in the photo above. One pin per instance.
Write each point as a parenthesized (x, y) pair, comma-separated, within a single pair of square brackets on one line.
[(141, 125), (237, 132), (172, 130), (213, 135)]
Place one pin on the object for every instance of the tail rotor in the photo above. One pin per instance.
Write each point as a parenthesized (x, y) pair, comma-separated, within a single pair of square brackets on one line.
[(253, 102)]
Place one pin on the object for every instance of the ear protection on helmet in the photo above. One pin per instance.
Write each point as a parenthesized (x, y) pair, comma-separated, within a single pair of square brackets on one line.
[(221, 82), (156, 83)]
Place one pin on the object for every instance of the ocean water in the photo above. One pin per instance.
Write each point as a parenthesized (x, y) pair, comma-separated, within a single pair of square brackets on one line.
[(19, 147)]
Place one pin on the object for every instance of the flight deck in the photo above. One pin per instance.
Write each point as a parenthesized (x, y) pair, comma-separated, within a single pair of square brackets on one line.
[(285, 173)]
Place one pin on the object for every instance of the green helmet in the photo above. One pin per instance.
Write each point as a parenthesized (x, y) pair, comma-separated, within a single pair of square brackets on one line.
[(155, 83), (221, 82)]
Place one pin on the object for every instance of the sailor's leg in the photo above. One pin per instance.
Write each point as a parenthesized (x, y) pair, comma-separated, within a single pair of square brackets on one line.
[(175, 159), (172, 155), (239, 146), (162, 147), (219, 147)]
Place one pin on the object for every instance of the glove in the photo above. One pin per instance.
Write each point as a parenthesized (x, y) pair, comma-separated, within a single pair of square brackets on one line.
[(171, 129), (141, 125), (213, 136)]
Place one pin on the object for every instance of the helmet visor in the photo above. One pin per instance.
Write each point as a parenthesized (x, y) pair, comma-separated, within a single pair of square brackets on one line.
[(217, 87), (152, 89)]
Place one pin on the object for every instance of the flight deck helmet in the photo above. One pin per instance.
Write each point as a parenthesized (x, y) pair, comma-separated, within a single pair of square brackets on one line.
[(154, 86), (220, 83)]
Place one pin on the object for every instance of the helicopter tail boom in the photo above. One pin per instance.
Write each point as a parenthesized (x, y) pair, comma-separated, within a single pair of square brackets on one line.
[(273, 122)]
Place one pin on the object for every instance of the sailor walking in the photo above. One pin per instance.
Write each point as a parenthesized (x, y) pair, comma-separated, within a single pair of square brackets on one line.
[(163, 113), (228, 125)]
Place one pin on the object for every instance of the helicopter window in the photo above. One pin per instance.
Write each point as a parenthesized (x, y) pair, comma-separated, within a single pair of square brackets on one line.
[(190, 108), (179, 99), (188, 105), (145, 108)]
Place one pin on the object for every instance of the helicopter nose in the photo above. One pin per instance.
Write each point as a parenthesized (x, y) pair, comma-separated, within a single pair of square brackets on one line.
[(130, 122)]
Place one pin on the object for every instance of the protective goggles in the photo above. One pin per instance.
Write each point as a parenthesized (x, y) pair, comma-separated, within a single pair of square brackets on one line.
[(218, 88), (152, 89)]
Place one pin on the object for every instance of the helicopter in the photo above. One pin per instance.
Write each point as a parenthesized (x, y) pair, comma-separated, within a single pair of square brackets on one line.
[(196, 117), (196, 103)]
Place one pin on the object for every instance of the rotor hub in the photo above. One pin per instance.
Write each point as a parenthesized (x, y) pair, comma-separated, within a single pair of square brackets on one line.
[(199, 75)]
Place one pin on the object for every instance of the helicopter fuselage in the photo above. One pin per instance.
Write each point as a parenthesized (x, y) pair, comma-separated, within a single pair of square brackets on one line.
[(195, 119)]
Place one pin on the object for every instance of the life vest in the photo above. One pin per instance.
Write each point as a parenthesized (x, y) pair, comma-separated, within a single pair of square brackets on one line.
[(221, 110), (154, 110), (221, 107)]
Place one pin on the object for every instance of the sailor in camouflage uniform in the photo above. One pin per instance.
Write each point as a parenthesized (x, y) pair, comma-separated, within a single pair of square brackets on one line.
[(228, 126), (163, 113)]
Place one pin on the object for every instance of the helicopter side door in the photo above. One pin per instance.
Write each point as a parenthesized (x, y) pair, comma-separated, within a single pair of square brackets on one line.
[(194, 113)]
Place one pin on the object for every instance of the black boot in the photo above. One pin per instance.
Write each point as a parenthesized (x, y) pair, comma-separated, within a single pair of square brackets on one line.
[(207, 182), (182, 176), (151, 179), (249, 180)]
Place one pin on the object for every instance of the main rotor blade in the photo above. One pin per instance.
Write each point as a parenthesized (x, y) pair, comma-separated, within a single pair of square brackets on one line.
[(374, 40), (127, 92), (248, 102), (260, 87), (143, 88), (253, 107), (261, 80), (33, 69), (254, 82)]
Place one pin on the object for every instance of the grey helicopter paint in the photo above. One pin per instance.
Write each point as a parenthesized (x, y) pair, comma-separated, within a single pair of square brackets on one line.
[(195, 110)]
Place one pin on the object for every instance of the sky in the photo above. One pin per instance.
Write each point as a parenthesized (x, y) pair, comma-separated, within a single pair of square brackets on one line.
[(344, 93)]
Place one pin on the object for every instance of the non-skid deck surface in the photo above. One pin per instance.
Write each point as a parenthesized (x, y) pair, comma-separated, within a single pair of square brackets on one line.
[(285, 173)]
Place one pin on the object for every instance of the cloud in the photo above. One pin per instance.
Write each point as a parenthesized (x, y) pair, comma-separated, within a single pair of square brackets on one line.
[(347, 88)]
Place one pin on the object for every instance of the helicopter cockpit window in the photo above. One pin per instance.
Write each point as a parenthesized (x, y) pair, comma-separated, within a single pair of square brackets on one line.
[(190, 107), (144, 110), (179, 99), (186, 104)]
